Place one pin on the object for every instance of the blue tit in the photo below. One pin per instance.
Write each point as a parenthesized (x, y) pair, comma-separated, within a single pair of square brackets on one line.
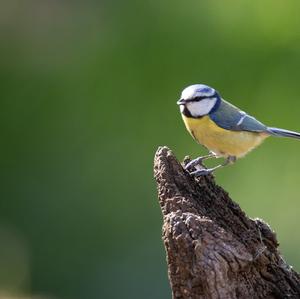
[(222, 128)]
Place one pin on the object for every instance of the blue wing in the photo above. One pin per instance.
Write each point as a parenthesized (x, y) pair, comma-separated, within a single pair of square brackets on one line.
[(231, 118)]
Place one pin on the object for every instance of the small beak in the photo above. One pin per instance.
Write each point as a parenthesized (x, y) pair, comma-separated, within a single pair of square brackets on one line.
[(181, 102)]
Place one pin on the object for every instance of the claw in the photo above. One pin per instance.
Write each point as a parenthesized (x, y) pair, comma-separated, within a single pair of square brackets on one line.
[(198, 161), (201, 172), (193, 163)]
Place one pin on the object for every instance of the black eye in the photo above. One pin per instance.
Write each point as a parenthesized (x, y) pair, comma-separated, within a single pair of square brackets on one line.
[(199, 98)]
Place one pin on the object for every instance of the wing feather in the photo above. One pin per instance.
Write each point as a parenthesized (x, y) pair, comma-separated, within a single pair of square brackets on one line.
[(231, 118)]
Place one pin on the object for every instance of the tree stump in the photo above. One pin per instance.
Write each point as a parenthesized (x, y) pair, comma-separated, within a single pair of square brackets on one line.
[(213, 249)]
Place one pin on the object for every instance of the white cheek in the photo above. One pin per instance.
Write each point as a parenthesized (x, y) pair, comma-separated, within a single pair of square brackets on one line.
[(202, 107), (181, 107)]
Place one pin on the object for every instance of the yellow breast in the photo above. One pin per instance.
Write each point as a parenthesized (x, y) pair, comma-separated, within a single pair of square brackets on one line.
[(220, 141)]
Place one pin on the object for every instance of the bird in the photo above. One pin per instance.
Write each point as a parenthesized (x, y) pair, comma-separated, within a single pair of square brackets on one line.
[(225, 130)]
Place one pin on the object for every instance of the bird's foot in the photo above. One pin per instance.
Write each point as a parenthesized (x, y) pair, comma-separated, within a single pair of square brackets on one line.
[(193, 163), (198, 161), (202, 172)]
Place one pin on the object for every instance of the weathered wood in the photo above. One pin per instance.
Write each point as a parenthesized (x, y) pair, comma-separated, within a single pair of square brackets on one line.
[(213, 249)]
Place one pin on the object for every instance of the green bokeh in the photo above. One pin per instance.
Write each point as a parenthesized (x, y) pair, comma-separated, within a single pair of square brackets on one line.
[(88, 92)]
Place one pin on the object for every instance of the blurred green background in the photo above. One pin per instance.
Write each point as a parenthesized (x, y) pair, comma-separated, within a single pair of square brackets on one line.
[(88, 93)]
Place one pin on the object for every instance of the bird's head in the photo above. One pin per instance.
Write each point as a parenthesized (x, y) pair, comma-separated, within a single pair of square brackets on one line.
[(198, 100)]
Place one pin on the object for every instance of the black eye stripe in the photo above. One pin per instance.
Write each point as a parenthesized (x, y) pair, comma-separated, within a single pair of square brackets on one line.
[(197, 99)]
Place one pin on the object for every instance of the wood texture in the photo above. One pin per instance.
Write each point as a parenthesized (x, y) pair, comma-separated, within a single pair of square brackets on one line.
[(213, 249)]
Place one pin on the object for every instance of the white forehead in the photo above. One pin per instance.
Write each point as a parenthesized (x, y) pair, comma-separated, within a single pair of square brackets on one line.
[(197, 90)]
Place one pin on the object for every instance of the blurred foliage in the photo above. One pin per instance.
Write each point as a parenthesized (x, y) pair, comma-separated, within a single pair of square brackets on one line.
[(88, 92)]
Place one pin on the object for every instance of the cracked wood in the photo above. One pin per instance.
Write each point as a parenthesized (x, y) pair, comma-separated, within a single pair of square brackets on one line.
[(213, 249)]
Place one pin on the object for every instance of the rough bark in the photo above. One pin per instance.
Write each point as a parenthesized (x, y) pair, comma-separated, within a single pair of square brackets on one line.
[(213, 249)]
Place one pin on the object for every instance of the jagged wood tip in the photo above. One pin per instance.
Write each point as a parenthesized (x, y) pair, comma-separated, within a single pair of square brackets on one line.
[(213, 249)]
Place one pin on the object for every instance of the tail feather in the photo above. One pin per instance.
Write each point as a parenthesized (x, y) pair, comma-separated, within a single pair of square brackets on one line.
[(283, 133)]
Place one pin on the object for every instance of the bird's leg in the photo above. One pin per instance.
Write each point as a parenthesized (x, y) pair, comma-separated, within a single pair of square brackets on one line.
[(229, 160), (198, 161)]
